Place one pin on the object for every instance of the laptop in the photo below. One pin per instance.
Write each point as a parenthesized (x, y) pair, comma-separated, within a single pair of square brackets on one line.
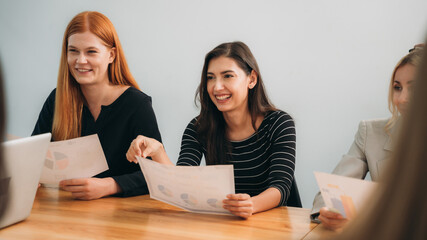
[(23, 160)]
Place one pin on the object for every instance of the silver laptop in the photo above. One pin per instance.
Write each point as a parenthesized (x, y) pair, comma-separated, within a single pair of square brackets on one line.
[(23, 160)]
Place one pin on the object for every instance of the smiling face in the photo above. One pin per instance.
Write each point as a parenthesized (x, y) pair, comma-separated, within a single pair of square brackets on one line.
[(228, 84), (402, 86), (88, 58)]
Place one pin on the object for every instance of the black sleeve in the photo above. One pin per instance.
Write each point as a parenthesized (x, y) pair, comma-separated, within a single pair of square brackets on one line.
[(191, 148), (282, 156), (142, 122), (44, 122)]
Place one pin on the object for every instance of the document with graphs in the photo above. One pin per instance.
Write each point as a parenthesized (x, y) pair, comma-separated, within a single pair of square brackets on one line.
[(343, 194), (199, 189), (81, 157)]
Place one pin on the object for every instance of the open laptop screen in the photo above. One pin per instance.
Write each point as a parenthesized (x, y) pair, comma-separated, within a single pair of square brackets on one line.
[(23, 159)]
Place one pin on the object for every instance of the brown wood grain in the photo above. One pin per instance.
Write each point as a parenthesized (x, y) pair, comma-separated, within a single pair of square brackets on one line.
[(320, 232), (56, 215)]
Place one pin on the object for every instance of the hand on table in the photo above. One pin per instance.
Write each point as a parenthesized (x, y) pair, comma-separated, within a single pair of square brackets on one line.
[(239, 204), (143, 146), (90, 188), (331, 220)]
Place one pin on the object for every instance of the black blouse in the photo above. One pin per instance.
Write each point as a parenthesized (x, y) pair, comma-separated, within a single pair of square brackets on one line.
[(130, 115)]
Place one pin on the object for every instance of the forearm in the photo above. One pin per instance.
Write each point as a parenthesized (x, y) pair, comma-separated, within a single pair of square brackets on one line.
[(162, 157), (266, 200), (111, 186)]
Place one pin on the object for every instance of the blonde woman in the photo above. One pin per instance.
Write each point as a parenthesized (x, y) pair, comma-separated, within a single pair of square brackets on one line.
[(399, 209), (96, 94), (372, 147)]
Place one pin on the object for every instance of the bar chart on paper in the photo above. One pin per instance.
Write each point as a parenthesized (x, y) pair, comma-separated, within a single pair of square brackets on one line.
[(340, 200), (343, 194)]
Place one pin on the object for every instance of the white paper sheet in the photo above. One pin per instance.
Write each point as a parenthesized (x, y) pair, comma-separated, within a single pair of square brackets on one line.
[(81, 157), (343, 194), (198, 189)]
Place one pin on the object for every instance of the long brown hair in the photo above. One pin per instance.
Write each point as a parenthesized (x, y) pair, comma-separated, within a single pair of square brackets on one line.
[(69, 98), (413, 58), (399, 209), (210, 124)]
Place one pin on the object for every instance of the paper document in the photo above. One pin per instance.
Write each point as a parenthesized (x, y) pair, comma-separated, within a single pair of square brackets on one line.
[(343, 194), (199, 189), (81, 157)]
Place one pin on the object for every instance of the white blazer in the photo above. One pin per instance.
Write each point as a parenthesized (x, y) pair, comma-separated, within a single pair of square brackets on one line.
[(370, 151)]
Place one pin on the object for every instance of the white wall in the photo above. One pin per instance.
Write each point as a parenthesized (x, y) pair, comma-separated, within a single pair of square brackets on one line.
[(327, 63)]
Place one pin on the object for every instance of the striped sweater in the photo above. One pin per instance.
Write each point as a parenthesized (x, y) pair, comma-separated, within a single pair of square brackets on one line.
[(264, 160)]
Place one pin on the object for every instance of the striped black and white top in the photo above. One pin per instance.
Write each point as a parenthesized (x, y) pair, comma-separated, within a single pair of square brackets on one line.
[(264, 160)]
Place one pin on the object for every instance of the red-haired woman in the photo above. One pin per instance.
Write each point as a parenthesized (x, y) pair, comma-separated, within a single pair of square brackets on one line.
[(96, 94)]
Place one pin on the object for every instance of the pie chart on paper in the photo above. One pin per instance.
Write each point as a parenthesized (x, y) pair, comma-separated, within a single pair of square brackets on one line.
[(56, 160)]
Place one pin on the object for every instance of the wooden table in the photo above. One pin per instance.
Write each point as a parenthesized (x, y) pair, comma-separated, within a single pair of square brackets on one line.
[(56, 215), (320, 232)]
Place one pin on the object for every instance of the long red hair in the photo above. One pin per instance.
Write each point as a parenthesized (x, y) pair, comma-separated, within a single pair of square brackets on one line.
[(69, 98)]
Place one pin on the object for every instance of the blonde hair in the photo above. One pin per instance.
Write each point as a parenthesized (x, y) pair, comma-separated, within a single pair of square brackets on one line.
[(69, 98), (413, 58), (399, 209)]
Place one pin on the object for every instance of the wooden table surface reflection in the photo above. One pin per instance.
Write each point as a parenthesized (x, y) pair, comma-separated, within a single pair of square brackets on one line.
[(56, 215)]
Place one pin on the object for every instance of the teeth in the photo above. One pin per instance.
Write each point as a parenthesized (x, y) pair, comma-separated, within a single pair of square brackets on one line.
[(222, 97), (82, 70)]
